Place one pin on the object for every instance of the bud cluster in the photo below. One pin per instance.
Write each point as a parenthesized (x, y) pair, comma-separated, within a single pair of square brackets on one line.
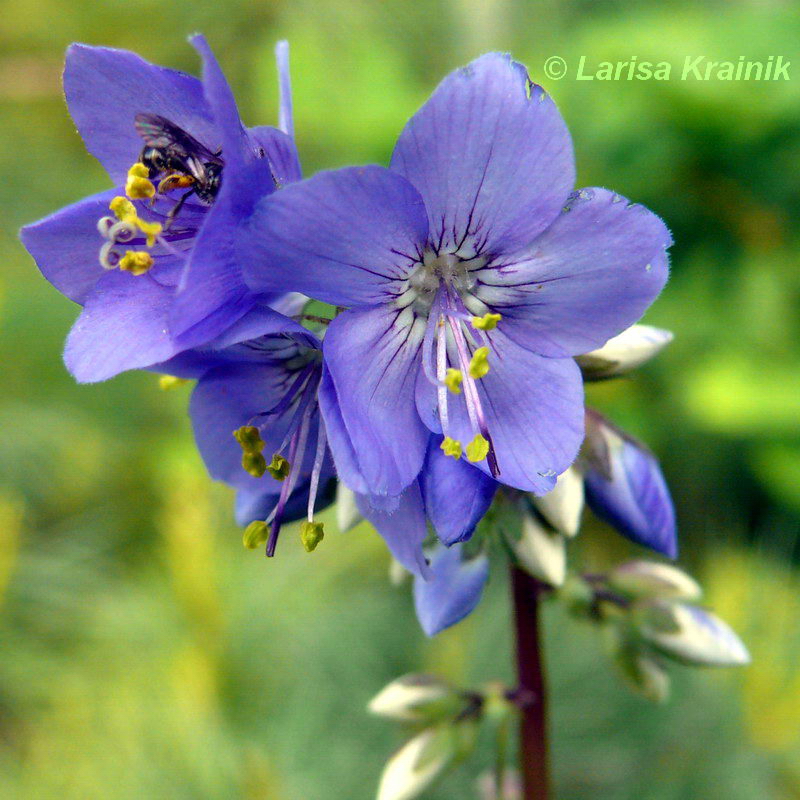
[(649, 616), (445, 723)]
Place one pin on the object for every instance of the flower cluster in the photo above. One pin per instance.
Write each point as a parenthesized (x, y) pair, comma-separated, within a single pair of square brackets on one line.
[(461, 296)]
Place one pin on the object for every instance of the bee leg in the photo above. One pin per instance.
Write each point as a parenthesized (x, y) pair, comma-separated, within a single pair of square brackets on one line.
[(177, 207)]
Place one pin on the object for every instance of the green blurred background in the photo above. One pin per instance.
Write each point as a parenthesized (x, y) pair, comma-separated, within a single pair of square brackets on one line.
[(146, 654)]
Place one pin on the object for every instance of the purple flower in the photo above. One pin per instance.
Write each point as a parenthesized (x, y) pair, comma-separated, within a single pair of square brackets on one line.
[(625, 486), (472, 276), (152, 284)]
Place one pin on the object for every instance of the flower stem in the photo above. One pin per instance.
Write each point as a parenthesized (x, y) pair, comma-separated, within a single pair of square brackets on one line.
[(531, 694)]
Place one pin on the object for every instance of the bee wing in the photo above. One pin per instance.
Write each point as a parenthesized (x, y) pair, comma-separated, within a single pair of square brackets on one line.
[(162, 134)]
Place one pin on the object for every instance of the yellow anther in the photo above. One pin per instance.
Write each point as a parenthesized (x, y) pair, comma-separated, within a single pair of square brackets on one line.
[(138, 186), (451, 447), (136, 261), (252, 444), (149, 229), (479, 365), (254, 463), (125, 211), (249, 438), (255, 534), (279, 467), (488, 322), (453, 380), (167, 382), (477, 449), (311, 534)]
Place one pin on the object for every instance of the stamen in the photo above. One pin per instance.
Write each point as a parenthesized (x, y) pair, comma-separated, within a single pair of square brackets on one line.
[(441, 373), (255, 534), (477, 449), (474, 408), (136, 262), (121, 232), (311, 534), (109, 258), (126, 212), (453, 380), (138, 185), (488, 322), (279, 467), (297, 446), (427, 348), (104, 225), (451, 447), (252, 444), (479, 365), (319, 457)]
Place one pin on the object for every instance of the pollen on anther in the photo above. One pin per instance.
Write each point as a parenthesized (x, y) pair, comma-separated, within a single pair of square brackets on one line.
[(136, 262), (451, 447), (487, 322), (138, 186), (453, 380), (479, 365), (477, 449)]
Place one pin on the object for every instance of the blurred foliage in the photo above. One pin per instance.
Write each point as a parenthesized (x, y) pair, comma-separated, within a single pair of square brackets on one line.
[(146, 654)]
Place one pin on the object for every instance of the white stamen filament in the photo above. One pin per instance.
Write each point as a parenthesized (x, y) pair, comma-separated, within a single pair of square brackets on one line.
[(322, 441)]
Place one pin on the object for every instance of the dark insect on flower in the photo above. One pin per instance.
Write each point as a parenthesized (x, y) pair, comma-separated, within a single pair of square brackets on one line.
[(181, 159)]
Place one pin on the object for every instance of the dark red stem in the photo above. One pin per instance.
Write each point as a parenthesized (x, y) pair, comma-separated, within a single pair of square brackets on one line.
[(532, 698)]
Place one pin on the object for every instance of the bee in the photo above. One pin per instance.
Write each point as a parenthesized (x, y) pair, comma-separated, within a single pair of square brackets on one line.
[(184, 162)]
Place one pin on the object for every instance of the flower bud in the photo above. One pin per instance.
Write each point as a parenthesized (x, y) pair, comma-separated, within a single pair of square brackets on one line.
[(511, 786), (649, 579), (414, 698), (700, 639), (541, 552), (643, 673), (623, 353), (625, 487), (414, 767), (562, 507)]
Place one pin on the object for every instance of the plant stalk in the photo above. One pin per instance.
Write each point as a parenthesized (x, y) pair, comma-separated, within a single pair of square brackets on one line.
[(531, 694)]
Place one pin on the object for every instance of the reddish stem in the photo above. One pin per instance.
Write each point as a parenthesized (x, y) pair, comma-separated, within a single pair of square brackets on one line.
[(533, 755)]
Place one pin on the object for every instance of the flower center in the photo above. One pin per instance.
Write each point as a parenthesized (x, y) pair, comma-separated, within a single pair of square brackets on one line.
[(450, 270)]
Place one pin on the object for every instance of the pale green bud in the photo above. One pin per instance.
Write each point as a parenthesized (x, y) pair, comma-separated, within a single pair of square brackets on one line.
[(699, 639), (645, 675), (415, 766), (623, 353), (650, 579), (540, 551), (562, 507), (415, 698)]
